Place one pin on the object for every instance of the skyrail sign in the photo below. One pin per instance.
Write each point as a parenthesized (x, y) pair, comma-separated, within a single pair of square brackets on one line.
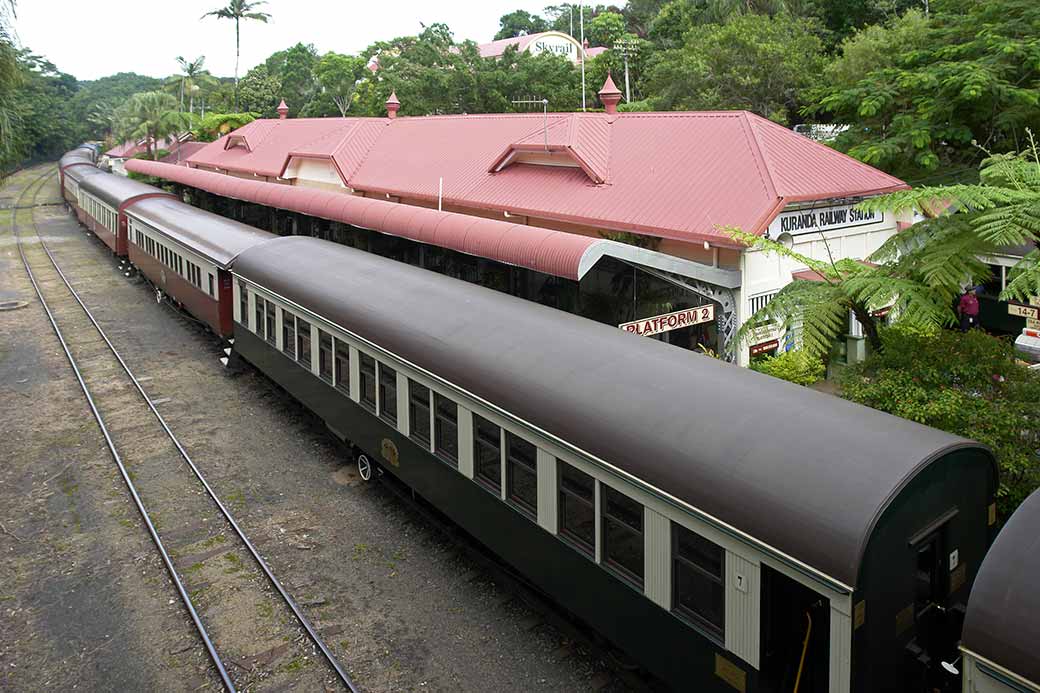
[(800, 221), (670, 321), (557, 44)]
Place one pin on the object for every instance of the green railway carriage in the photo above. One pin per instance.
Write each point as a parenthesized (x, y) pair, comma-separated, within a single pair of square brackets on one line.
[(1001, 642), (728, 530)]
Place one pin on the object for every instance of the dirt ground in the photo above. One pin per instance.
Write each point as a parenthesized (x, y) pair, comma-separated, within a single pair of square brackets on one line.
[(85, 603)]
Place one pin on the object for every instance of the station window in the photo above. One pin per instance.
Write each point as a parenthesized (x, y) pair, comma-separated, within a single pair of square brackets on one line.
[(387, 393), (419, 412), (325, 356), (272, 323), (623, 535), (487, 453), (368, 382), (446, 429), (522, 474), (698, 592), (303, 343), (258, 316), (342, 367), (577, 511), (288, 334), (243, 304)]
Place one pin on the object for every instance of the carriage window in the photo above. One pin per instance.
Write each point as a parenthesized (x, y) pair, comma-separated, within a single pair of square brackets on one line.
[(325, 356), (243, 304), (697, 582), (623, 535), (368, 382), (577, 513), (342, 366), (522, 474), (272, 323), (211, 293), (419, 412), (387, 393), (487, 455), (288, 334), (446, 429), (258, 315), (303, 343)]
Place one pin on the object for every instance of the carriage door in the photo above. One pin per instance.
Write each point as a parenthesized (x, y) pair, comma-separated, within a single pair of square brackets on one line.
[(795, 636), (934, 627)]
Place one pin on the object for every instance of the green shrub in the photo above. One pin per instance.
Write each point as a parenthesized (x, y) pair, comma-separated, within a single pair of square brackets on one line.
[(967, 384), (795, 366)]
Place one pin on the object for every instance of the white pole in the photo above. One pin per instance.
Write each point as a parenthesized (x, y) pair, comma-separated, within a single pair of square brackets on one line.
[(628, 92), (581, 21), (440, 193)]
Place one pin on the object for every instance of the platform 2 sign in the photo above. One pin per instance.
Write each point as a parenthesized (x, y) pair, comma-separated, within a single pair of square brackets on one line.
[(670, 321)]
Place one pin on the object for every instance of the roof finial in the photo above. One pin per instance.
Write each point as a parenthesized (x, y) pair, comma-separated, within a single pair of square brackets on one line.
[(610, 95), (392, 105), (283, 110)]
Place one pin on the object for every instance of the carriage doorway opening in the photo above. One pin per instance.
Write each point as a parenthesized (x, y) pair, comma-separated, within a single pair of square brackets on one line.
[(795, 636)]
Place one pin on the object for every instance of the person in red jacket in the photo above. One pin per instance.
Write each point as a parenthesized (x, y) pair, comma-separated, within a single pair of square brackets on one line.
[(968, 309)]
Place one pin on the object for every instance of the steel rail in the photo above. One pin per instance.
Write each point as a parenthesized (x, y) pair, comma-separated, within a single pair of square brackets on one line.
[(286, 597), (225, 677)]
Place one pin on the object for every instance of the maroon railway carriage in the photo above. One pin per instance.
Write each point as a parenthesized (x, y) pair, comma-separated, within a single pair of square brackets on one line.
[(103, 201), (77, 157), (71, 176), (186, 252)]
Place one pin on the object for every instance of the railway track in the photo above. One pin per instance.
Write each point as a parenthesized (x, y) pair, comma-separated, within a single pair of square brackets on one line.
[(253, 631)]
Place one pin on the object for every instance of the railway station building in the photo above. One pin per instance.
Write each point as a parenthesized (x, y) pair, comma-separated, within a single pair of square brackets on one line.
[(618, 217)]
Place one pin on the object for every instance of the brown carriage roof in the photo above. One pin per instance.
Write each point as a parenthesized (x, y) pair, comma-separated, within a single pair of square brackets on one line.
[(215, 237), (116, 190), (76, 156), (83, 170), (1003, 619), (803, 472)]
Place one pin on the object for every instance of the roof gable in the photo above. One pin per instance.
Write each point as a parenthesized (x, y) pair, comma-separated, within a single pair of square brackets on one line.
[(583, 142)]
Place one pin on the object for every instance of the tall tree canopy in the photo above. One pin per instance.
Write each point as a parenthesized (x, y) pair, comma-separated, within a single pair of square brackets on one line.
[(753, 62), (973, 77), (520, 23)]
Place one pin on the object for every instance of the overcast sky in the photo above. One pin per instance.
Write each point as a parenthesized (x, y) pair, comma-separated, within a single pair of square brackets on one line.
[(94, 38)]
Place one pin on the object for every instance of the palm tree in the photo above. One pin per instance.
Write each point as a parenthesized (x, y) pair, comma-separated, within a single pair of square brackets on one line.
[(151, 115), (239, 10), (192, 77)]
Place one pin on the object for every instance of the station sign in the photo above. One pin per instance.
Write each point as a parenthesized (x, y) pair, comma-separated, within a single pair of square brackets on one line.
[(670, 321), (801, 221), (557, 44), (1024, 311), (764, 347)]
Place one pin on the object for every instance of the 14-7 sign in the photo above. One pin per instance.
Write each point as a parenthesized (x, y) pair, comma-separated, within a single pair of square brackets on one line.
[(670, 321)]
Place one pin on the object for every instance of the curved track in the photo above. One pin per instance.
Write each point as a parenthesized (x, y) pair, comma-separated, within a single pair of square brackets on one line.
[(145, 449)]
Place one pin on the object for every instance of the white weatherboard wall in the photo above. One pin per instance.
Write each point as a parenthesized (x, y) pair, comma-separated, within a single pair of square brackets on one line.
[(765, 273)]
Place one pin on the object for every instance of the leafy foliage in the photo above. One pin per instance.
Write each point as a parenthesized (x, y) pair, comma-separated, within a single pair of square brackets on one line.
[(751, 62), (795, 366), (1002, 210), (966, 384), (216, 124), (520, 23), (151, 116), (972, 73)]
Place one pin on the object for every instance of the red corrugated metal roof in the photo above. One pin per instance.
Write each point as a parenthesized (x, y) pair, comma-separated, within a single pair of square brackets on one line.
[(552, 252), (182, 152), (671, 175)]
